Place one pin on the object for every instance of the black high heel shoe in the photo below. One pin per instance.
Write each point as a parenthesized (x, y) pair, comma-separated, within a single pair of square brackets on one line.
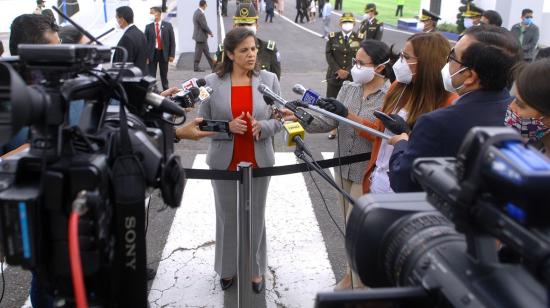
[(226, 283), (258, 287)]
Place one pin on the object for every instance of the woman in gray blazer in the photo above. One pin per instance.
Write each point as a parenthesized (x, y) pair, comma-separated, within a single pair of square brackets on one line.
[(236, 99)]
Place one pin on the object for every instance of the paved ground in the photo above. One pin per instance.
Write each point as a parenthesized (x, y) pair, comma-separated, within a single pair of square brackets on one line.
[(303, 61)]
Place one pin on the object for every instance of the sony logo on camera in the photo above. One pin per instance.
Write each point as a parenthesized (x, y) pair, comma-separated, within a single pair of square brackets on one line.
[(130, 241)]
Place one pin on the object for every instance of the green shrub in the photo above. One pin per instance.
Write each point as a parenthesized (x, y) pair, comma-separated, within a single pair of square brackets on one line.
[(448, 27)]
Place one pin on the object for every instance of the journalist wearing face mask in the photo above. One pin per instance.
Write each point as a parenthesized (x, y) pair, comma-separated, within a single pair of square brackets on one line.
[(479, 69), (529, 112), (417, 89), (371, 72)]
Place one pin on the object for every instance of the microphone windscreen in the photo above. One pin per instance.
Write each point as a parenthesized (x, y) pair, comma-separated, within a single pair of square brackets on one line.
[(195, 92), (201, 82)]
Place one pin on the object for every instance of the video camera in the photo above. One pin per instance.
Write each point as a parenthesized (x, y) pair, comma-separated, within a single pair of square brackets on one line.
[(77, 196), (446, 253)]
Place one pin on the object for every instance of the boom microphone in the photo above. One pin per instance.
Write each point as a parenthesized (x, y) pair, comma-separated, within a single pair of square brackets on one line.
[(311, 95), (269, 95)]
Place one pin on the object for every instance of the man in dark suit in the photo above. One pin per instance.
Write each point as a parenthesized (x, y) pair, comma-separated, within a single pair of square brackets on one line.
[(161, 45), (479, 69), (133, 40), (201, 31)]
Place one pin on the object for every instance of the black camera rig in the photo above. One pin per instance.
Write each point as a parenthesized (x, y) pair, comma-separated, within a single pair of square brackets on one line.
[(97, 172), (446, 253)]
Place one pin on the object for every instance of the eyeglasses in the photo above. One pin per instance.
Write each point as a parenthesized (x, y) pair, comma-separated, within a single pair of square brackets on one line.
[(359, 63), (406, 56), (452, 57)]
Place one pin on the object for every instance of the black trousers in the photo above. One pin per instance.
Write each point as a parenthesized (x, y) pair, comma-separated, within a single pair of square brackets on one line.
[(202, 48), (158, 60), (338, 5), (224, 7), (399, 10), (332, 90)]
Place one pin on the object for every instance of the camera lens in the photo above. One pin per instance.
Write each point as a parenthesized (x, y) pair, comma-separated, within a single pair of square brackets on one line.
[(388, 240)]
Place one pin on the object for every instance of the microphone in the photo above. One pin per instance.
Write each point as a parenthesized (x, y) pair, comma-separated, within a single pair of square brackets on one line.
[(187, 99), (269, 95), (193, 82), (301, 90), (309, 97), (205, 93), (293, 131), (163, 104)]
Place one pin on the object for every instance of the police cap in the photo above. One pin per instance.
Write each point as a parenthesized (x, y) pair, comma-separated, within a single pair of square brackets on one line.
[(245, 14), (427, 15), (347, 17)]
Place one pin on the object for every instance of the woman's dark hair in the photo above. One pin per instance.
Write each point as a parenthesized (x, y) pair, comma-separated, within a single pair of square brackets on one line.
[(493, 17), (70, 35), (543, 53), (532, 85), (492, 56), (126, 13), (232, 39), (380, 53)]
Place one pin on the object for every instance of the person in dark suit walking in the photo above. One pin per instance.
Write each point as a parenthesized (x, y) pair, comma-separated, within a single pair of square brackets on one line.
[(133, 40), (161, 45), (479, 69), (201, 31)]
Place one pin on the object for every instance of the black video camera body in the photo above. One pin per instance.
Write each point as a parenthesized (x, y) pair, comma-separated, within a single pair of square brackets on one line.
[(121, 147), (445, 254)]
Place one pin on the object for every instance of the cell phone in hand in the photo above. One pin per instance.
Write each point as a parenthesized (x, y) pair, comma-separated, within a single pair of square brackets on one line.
[(214, 126), (382, 116)]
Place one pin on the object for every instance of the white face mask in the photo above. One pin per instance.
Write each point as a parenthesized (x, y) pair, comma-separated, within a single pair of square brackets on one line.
[(251, 28), (347, 27), (420, 25), (468, 22), (362, 75), (403, 73), (448, 78), (152, 18)]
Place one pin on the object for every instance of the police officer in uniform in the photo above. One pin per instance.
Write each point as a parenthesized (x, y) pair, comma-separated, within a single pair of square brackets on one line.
[(371, 27), (268, 55), (340, 50), (429, 20)]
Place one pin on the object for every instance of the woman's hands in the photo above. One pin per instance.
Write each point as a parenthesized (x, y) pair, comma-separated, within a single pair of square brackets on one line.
[(256, 127), (239, 125)]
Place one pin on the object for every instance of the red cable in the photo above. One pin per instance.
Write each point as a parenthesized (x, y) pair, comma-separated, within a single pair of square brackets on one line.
[(76, 264)]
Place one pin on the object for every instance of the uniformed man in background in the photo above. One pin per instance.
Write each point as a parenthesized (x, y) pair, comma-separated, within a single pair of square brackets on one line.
[(472, 15), (268, 55), (370, 26), (340, 50), (429, 21)]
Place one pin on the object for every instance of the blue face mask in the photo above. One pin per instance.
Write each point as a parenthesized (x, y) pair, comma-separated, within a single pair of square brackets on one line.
[(528, 21)]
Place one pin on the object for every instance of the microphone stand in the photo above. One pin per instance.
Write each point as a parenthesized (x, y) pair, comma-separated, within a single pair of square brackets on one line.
[(303, 153)]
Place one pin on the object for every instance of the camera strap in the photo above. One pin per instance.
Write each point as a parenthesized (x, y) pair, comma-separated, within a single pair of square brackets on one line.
[(129, 185)]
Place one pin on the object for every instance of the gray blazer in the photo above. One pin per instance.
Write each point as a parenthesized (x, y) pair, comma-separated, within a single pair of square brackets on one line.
[(218, 107), (200, 27)]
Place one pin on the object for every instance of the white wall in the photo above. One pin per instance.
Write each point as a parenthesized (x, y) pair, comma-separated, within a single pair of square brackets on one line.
[(186, 9)]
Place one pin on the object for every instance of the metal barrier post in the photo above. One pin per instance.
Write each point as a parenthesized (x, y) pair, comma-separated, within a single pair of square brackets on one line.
[(244, 236)]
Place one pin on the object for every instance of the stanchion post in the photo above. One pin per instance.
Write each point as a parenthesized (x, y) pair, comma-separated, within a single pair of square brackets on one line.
[(244, 236)]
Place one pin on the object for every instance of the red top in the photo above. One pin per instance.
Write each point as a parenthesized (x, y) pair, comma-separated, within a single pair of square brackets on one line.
[(243, 145)]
